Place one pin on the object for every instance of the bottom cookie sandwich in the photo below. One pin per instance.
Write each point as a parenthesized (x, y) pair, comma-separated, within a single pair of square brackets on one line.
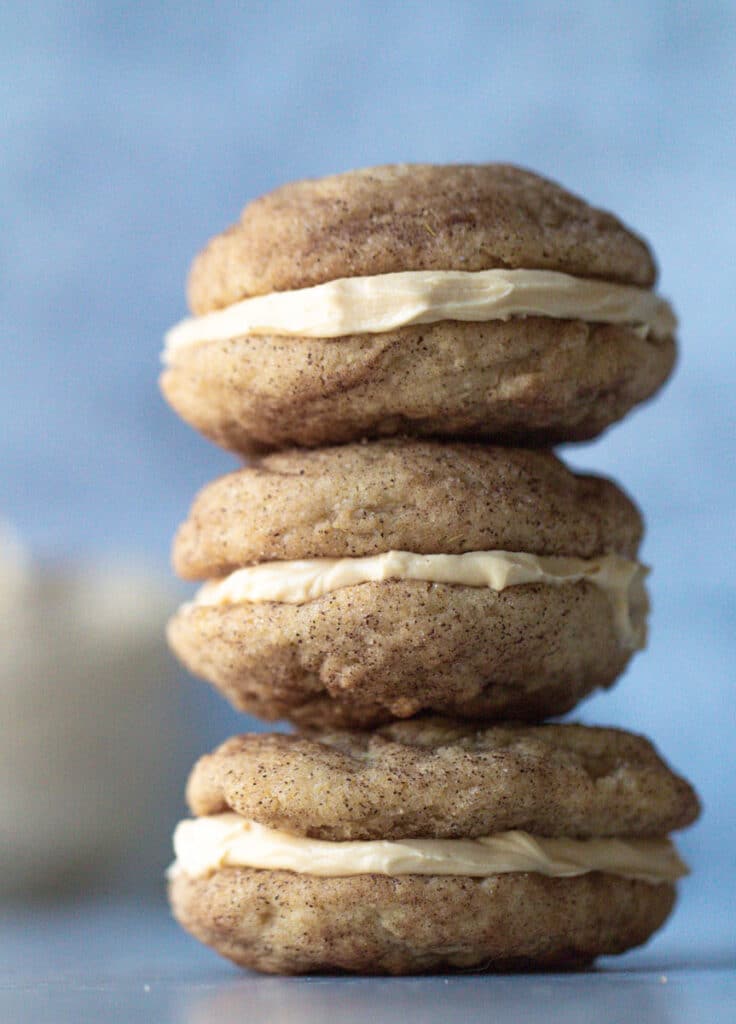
[(429, 845)]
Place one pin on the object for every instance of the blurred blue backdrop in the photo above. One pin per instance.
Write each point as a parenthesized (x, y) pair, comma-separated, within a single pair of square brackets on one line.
[(133, 132)]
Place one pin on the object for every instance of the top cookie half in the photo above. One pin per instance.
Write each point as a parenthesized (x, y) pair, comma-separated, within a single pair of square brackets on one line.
[(472, 301), (382, 220)]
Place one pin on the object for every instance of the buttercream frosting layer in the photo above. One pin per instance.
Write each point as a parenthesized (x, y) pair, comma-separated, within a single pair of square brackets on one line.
[(296, 582), (204, 845), (386, 302)]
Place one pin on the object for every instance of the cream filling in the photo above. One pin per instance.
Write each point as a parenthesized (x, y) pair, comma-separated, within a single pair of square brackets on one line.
[(204, 845), (621, 580), (384, 302)]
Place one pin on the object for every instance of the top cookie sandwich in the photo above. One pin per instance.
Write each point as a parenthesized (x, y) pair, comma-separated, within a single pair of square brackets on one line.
[(478, 301)]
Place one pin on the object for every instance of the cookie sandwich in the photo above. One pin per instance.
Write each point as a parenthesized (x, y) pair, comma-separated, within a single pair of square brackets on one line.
[(355, 584), (429, 845), (481, 301)]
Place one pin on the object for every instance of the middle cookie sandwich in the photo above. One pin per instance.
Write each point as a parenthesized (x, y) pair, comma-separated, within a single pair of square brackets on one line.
[(366, 582)]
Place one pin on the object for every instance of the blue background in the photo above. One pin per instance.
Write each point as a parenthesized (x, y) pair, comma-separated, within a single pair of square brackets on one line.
[(133, 132)]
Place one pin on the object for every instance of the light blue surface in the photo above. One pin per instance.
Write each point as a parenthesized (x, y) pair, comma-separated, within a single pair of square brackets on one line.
[(133, 132)]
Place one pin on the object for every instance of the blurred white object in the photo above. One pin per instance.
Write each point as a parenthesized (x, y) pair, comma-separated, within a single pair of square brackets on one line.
[(14, 565), (87, 721)]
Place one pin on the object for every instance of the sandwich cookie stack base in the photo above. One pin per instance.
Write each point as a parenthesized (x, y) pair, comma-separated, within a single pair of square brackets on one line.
[(407, 575), (429, 844)]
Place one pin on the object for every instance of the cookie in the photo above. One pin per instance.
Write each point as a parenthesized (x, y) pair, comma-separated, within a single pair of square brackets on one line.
[(371, 581), (433, 776), (381, 220), (476, 301), (429, 845)]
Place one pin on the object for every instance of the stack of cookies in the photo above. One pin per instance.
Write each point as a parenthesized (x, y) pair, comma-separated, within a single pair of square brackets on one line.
[(407, 573)]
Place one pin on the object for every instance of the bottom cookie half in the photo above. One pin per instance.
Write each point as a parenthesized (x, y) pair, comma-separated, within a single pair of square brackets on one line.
[(529, 381), (281, 922), (366, 654)]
